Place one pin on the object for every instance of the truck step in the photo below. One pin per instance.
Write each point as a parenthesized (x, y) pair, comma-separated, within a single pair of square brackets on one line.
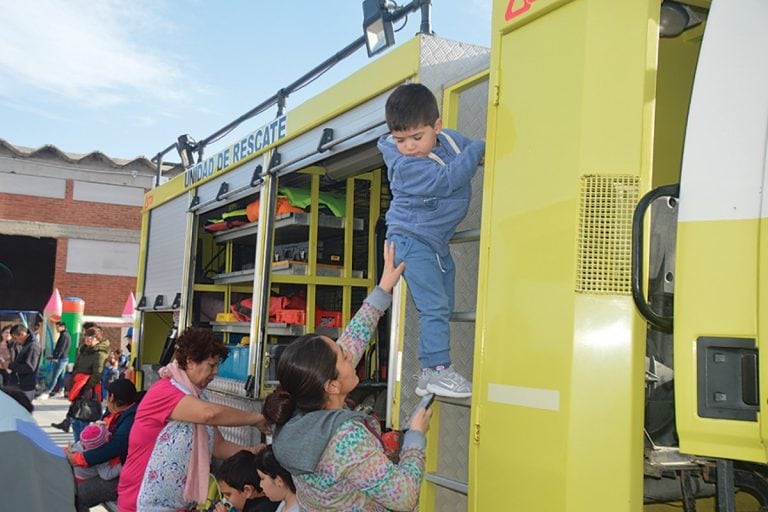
[(463, 316), (468, 235), (448, 483)]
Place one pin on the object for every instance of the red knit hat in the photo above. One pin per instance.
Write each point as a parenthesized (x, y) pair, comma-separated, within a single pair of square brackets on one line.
[(93, 436)]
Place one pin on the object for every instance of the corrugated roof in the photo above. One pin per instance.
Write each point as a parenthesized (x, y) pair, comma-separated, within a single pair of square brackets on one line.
[(51, 151)]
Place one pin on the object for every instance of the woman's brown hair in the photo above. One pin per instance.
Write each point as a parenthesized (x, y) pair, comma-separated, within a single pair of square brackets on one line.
[(305, 366), (196, 344)]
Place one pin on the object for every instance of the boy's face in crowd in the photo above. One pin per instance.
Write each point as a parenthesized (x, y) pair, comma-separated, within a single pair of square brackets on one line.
[(19, 338), (235, 497), (417, 141)]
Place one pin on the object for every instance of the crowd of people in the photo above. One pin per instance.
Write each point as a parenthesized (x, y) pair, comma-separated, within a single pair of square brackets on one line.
[(153, 451)]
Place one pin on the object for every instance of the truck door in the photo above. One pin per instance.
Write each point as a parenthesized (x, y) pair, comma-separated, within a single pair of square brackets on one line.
[(721, 256)]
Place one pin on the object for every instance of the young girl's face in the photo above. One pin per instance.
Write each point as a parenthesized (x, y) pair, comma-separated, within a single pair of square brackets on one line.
[(418, 141), (274, 488)]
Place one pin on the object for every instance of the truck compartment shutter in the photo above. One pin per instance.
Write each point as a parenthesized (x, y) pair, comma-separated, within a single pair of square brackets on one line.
[(166, 249)]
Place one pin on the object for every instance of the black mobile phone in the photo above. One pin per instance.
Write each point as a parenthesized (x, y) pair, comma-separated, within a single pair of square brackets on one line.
[(424, 403)]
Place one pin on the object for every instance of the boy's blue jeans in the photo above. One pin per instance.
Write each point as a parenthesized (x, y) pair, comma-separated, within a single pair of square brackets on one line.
[(431, 280)]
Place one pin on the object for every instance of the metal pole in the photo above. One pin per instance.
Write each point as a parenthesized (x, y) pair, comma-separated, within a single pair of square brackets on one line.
[(279, 97), (426, 17), (726, 492)]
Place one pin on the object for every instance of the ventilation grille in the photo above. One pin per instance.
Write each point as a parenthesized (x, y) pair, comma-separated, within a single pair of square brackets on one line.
[(605, 234)]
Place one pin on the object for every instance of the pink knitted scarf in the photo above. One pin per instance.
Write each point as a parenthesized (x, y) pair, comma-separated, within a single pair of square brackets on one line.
[(198, 469)]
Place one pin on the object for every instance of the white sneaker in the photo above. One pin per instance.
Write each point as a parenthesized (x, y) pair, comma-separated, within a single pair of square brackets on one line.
[(423, 376), (44, 396), (448, 382)]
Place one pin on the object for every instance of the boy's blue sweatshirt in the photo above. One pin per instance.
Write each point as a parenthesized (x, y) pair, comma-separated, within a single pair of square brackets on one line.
[(430, 199)]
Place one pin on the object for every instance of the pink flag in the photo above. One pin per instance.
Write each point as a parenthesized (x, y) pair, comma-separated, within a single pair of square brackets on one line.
[(129, 310), (53, 308)]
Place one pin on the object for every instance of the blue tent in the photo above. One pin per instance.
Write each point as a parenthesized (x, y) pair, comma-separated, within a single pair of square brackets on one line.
[(35, 474)]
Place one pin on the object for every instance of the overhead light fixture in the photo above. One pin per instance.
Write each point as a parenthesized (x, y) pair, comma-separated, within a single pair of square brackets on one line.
[(675, 18), (185, 145), (377, 26)]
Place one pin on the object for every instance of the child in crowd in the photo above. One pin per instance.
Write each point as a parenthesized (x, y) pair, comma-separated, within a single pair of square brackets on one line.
[(111, 372), (239, 484), (6, 344), (93, 436), (429, 170), (276, 481)]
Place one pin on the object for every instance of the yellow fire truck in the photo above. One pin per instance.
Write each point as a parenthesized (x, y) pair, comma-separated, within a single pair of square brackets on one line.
[(610, 274)]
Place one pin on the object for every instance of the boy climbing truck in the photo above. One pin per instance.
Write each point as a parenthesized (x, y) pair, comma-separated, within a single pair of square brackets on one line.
[(610, 272)]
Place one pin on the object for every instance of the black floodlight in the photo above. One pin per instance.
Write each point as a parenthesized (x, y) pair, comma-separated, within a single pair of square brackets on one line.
[(676, 18), (377, 27), (185, 146)]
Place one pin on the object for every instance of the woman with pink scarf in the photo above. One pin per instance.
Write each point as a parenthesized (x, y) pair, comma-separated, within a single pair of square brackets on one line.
[(175, 431)]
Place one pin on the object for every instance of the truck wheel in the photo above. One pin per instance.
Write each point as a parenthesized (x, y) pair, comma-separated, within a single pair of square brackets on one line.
[(754, 484)]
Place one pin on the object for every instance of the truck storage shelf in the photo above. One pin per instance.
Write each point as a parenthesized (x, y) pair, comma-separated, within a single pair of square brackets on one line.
[(275, 329), (239, 276), (290, 268), (285, 221), (299, 268), (235, 327)]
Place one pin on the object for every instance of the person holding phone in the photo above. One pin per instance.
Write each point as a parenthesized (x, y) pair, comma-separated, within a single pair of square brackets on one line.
[(424, 403), (335, 455)]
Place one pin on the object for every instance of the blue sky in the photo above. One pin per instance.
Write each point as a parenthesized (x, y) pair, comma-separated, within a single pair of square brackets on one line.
[(127, 77)]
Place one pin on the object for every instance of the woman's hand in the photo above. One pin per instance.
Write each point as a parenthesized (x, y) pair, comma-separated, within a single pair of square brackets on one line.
[(67, 452), (421, 419), (222, 507), (256, 449), (391, 274), (263, 425)]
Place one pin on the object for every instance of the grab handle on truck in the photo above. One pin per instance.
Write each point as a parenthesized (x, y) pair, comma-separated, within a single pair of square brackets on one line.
[(663, 323)]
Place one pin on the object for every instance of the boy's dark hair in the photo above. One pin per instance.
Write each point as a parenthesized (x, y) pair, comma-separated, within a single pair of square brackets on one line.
[(239, 470), (411, 106), (19, 329)]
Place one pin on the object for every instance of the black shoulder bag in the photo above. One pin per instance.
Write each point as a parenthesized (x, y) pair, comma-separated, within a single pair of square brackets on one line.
[(86, 407)]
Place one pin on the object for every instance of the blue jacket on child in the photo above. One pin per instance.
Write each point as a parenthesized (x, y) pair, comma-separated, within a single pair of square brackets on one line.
[(430, 195)]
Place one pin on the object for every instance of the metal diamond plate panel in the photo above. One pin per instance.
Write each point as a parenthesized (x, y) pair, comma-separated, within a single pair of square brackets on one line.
[(447, 500), (245, 436), (224, 392), (445, 63), (228, 386), (473, 110)]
